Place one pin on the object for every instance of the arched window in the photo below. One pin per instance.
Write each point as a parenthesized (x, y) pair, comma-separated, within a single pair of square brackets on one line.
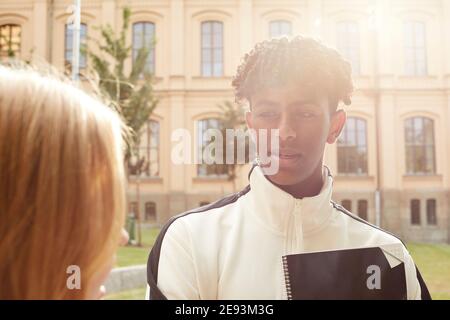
[(146, 158), (352, 147), (415, 211), (205, 169), (415, 49), (68, 45), (348, 43), (10, 40), (212, 48), (420, 149), (279, 28), (144, 37)]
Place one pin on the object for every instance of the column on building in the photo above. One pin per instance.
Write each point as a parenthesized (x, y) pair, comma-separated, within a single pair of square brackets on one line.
[(109, 13), (177, 189), (315, 17), (40, 20), (245, 26)]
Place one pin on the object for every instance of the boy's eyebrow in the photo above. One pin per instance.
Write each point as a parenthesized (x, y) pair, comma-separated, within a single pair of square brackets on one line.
[(266, 103)]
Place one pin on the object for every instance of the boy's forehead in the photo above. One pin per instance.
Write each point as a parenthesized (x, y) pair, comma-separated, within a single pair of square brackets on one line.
[(287, 95)]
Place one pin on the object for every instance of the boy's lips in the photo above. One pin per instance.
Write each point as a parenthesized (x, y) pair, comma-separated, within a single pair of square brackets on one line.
[(286, 153), (287, 158)]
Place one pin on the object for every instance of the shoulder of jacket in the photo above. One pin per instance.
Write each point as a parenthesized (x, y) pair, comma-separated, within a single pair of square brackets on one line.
[(365, 224), (209, 208)]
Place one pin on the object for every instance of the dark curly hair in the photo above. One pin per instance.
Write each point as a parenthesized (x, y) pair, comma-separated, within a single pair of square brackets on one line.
[(301, 61)]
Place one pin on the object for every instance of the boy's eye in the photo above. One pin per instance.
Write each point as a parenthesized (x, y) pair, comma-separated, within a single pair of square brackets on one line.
[(268, 114)]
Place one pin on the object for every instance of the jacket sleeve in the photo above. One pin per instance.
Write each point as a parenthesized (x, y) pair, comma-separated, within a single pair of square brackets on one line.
[(417, 289), (171, 271)]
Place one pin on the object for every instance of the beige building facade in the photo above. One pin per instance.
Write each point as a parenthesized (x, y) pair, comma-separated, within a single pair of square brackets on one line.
[(392, 162)]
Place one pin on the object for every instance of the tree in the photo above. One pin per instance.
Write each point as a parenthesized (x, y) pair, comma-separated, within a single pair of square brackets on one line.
[(232, 117), (130, 95)]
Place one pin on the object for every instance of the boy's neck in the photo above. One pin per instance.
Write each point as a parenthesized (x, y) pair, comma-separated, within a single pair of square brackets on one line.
[(309, 187)]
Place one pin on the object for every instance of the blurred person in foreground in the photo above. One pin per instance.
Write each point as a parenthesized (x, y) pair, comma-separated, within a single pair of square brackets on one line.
[(61, 188)]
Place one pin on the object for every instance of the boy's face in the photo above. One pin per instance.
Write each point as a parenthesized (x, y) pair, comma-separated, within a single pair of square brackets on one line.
[(305, 125)]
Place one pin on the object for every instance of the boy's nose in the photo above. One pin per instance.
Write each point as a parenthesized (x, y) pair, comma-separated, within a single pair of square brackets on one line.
[(286, 130)]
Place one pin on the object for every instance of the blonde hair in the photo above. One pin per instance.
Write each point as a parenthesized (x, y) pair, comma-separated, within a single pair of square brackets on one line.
[(61, 186)]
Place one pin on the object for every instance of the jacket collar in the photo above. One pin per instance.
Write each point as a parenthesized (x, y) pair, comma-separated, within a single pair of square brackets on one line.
[(275, 207)]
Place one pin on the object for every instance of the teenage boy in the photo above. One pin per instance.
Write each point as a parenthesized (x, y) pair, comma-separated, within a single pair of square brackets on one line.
[(234, 248)]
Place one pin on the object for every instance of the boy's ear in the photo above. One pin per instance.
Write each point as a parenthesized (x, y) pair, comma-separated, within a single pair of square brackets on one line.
[(337, 124)]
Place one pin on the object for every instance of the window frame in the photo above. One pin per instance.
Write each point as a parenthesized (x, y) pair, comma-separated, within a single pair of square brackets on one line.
[(431, 214), (409, 124), (351, 51), (134, 52), (148, 149), (343, 145), (363, 204), (148, 204), (16, 53), (213, 49), (220, 170), (347, 201), (412, 64), (415, 216)]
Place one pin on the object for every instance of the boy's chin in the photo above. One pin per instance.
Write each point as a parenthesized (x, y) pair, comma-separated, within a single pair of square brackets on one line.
[(285, 177)]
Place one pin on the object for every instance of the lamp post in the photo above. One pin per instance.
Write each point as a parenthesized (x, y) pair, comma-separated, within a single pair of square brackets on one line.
[(135, 162), (76, 40), (373, 26)]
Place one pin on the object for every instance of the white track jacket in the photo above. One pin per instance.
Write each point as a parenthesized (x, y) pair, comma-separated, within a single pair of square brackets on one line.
[(233, 248)]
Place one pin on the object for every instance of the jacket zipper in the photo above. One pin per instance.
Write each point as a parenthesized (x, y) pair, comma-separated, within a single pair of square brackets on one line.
[(287, 280)]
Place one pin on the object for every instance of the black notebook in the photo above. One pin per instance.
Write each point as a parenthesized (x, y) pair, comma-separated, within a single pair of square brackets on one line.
[(363, 273)]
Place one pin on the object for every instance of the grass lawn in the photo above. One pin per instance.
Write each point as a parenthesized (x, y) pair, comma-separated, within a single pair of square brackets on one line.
[(130, 255), (135, 294), (433, 261)]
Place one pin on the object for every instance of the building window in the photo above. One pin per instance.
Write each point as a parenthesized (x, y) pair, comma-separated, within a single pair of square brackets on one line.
[(362, 209), (415, 211), (68, 46), (279, 28), (415, 49), (352, 147), (348, 43), (205, 169), (10, 39), (144, 37), (150, 211), (431, 212), (146, 159), (347, 204), (212, 48), (419, 141)]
